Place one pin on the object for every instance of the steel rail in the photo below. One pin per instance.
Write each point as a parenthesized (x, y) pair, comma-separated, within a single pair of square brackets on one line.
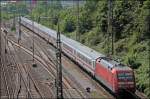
[(37, 89)]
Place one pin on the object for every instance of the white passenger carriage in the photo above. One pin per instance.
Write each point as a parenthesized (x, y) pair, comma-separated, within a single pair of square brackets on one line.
[(81, 54)]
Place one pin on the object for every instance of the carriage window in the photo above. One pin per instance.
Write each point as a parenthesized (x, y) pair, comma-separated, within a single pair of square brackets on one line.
[(89, 62)]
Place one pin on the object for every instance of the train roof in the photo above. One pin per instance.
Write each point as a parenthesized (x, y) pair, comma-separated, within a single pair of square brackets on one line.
[(86, 51), (90, 53), (126, 68), (110, 63)]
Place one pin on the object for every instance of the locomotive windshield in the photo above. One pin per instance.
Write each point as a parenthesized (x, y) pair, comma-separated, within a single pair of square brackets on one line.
[(125, 76)]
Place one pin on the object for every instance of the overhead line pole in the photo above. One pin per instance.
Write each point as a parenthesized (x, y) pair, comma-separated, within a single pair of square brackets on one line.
[(51, 4), (148, 29), (77, 15), (59, 66), (14, 24), (112, 27), (46, 8), (14, 20), (19, 38), (110, 24)]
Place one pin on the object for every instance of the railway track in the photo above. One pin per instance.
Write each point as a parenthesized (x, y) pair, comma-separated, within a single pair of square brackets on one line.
[(25, 68), (51, 63), (5, 82), (8, 74), (65, 80), (29, 52), (4, 85), (140, 95), (49, 68), (30, 77), (12, 59), (20, 71), (127, 94), (49, 56)]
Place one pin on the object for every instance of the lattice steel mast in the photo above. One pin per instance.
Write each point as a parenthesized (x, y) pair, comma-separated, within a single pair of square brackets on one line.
[(59, 66), (110, 25)]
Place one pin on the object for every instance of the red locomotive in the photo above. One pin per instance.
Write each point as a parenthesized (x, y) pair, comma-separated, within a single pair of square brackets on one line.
[(114, 75), (111, 73)]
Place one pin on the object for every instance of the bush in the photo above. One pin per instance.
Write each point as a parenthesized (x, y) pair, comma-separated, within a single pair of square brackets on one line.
[(69, 26), (133, 63)]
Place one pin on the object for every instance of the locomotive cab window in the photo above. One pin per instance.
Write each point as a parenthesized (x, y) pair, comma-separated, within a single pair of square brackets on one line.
[(125, 76)]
